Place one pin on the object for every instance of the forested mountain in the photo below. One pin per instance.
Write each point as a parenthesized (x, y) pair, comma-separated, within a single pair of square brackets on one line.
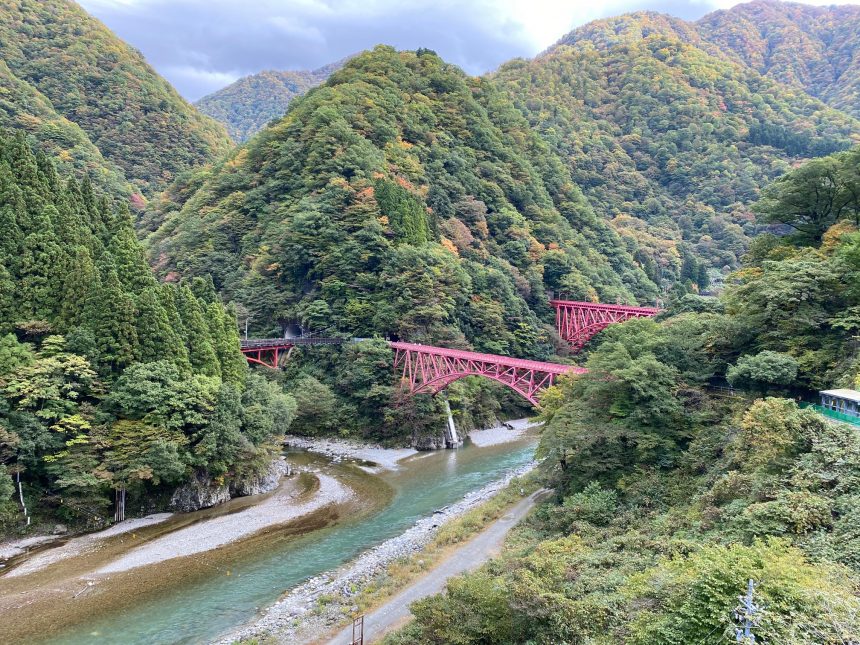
[(671, 497), (132, 115), (813, 48), (246, 106), (656, 129), (110, 379), (401, 197), (666, 130), (23, 108)]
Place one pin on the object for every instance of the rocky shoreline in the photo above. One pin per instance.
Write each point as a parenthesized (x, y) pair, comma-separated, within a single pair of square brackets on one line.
[(295, 618), (338, 449)]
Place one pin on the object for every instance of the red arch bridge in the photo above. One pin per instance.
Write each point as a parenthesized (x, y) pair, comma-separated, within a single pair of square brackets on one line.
[(425, 368), (429, 369)]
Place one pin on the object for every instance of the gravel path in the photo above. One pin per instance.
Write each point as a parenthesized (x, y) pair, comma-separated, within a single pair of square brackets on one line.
[(469, 556), (293, 619), (210, 534)]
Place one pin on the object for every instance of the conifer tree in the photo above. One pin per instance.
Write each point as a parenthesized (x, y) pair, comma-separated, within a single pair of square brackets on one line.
[(132, 269), (225, 335), (204, 289), (39, 269), (11, 202), (7, 300), (167, 297), (158, 340), (198, 340), (114, 324), (80, 287)]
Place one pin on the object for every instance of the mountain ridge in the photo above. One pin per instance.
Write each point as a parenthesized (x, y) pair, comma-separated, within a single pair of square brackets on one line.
[(95, 80), (248, 104)]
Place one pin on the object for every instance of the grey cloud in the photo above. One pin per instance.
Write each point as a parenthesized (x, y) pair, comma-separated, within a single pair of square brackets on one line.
[(201, 45)]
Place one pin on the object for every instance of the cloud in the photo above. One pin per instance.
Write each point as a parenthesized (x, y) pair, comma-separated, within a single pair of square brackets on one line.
[(201, 45)]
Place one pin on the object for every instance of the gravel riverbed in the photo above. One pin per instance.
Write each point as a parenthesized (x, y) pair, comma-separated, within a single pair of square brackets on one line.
[(296, 617), (337, 449)]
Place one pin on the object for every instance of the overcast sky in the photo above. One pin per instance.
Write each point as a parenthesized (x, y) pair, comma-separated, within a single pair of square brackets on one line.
[(203, 45)]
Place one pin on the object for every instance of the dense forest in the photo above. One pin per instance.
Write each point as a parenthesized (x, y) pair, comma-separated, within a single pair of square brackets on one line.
[(669, 497), (707, 167), (812, 48), (400, 198), (109, 378), (249, 104), (88, 76), (668, 133), (657, 129)]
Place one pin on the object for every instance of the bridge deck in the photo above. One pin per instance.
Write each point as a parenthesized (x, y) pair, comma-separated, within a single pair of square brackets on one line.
[(507, 361), (271, 343), (629, 309)]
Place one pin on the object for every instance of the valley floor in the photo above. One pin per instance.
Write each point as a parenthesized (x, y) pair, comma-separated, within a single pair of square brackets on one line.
[(68, 580), (466, 557)]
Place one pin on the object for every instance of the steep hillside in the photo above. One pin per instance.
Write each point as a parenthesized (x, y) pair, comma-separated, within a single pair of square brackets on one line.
[(109, 379), (657, 129), (93, 79), (23, 108), (813, 48), (246, 106), (400, 197)]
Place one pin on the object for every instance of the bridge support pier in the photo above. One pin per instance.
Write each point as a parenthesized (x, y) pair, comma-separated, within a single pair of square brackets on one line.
[(451, 438)]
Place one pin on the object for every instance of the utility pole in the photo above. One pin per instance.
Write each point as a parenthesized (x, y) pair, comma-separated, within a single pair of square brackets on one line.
[(746, 614)]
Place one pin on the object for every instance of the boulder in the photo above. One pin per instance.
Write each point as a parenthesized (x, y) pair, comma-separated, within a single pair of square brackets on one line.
[(429, 442)]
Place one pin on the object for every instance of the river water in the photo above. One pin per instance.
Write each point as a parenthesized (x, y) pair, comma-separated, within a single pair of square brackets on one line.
[(206, 608)]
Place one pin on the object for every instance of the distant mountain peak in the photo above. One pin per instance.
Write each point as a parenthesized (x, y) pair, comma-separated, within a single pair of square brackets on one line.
[(248, 104)]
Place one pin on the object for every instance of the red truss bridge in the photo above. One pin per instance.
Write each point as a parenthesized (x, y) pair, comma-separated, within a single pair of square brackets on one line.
[(429, 369), (425, 368), (270, 352), (579, 322)]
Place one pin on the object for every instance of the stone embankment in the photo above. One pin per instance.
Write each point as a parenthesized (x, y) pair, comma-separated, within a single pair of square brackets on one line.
[(298, 617)]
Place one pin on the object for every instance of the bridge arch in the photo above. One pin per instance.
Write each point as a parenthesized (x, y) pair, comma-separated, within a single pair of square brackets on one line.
[(431, 369), (437, 385)]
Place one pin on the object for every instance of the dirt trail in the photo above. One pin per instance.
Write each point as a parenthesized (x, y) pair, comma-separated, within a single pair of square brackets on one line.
[(469, 556)]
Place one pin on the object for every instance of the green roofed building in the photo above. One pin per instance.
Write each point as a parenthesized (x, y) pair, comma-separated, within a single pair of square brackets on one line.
[(842, 401)]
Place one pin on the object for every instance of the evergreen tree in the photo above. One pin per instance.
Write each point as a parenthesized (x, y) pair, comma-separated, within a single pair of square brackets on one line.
[(115, 324), (198, 340), (132, 269), (167, 297), (80, 286), (40, 268), (158, 339), (7, 300), (225, 335)]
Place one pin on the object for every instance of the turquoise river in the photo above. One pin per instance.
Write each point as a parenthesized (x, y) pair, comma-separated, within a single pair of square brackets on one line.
[(208, 607)]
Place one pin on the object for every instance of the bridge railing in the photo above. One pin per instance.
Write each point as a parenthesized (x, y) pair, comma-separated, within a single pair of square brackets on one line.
[(259, 343)]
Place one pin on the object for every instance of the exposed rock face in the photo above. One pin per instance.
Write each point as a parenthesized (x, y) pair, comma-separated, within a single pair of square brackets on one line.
[(200, 492), (264, 483), (429, 442)]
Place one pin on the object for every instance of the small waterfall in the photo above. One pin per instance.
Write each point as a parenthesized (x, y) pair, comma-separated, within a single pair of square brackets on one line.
[(451, 438)]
